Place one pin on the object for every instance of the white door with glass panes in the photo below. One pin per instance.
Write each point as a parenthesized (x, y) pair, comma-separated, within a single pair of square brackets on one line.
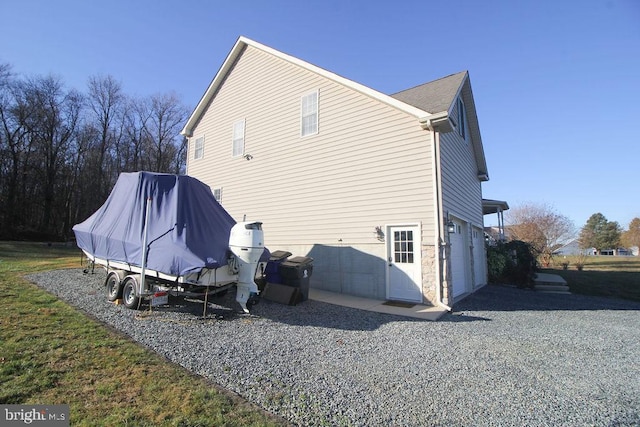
[(404, 271)]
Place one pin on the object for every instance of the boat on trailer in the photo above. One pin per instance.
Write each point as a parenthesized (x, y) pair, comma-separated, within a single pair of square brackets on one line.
[(159, 233)]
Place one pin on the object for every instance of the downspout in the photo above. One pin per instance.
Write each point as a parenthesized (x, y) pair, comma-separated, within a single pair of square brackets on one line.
[(438, 213)]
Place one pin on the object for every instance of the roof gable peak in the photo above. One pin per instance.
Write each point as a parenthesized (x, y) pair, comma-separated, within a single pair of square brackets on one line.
[(435, 81), (239, 48), (434, 96)]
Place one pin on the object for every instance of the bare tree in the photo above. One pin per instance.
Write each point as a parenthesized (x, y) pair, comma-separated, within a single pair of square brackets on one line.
[(52, 129), (542, 227), (106, 101), (163, 128), (78, 194), (131, 152), (61, 152), (180, 161), (12, 145)]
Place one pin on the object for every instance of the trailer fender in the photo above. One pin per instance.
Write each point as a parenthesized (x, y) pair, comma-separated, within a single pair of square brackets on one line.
[(121, 273)]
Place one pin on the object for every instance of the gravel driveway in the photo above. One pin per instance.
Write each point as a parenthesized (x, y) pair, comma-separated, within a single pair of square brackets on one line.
[(505, 357)]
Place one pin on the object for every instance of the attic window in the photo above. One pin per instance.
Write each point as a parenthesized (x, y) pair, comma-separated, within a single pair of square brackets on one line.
[(462, 119), (309, 114), (198, 152)]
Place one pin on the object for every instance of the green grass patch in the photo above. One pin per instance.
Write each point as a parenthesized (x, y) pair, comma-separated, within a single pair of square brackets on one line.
[(51, 353), (608, 276)]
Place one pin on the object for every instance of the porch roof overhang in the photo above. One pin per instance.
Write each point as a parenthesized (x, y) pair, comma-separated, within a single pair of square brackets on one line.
[(493, 206)]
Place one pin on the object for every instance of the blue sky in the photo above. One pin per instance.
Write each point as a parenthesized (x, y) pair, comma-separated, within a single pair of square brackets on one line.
[(556, 82)]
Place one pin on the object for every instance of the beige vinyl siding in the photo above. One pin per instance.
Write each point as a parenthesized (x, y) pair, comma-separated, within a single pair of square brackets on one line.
[(369, 165)]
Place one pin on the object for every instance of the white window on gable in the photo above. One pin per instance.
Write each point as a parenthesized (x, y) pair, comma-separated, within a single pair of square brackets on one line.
[(462, 119), (309, 114), (198, 152), (238, 138)]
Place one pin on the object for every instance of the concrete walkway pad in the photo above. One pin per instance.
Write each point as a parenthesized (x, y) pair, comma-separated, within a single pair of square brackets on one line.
[(547, 278), (550, 283), (418, 311)]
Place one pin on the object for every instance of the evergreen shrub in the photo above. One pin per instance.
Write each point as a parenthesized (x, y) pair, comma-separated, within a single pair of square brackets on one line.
[(512, 263)]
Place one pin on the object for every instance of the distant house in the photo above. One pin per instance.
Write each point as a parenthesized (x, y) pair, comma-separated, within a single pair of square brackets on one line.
[(573, 248), (618, 252), (382, 191)]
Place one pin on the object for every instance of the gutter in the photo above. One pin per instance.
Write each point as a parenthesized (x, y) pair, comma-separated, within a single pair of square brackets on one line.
[(438, 120)]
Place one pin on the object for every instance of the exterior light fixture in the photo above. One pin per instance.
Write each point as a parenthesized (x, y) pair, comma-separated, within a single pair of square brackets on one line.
[(379, 233), (451, 227)]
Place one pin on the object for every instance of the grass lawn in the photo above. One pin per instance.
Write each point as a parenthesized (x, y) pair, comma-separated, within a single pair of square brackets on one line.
[(610, 276), (51, 353)]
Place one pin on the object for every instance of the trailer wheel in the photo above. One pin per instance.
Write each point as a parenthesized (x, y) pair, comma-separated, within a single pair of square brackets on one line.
[(129, 289), (114, 286)]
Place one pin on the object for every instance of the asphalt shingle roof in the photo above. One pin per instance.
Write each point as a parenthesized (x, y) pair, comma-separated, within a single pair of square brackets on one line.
[(433, 97)]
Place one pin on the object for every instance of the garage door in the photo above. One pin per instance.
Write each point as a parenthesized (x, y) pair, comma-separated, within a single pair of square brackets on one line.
[(479, 258), (459, 250)]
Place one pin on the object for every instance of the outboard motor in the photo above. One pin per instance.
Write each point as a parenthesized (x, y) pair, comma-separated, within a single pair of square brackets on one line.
[(246, 242)]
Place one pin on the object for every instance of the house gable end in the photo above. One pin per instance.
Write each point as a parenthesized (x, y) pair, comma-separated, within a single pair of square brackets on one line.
[(237, 51), (440, 96), (466, 94)]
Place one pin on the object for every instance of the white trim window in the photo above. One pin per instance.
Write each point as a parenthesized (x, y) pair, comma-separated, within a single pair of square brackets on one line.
[(198, 151), (462, 120), (238, 138), (309, 114), (217, 194)]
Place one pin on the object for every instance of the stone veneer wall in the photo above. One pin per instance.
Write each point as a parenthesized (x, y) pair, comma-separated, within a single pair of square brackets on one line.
[(429, 278), (429, 274)]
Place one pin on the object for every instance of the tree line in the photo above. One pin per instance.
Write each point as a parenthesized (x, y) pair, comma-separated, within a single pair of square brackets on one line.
[(547, 231), (61, 150), (599, 233)]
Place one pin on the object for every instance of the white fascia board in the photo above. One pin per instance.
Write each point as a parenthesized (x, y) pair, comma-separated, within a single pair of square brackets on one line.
[(339, 79), (243, 41), (211, 90)]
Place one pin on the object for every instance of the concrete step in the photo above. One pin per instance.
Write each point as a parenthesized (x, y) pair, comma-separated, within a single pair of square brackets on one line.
[(550, 283), (549, 279), (553, 288), (554, 292), (538, 283)]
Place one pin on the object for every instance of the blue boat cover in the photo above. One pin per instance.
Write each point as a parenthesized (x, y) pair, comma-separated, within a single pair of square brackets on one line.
[(188, 229)]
